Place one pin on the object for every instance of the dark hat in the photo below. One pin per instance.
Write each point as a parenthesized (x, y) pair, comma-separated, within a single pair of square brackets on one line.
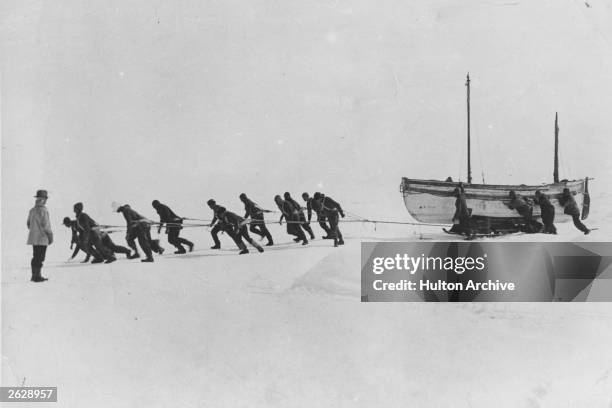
[(305, 195), (66, 221), (78, 207), (538, 192), (41, 194), (211, 202), (317, 195), (155, 203), (566, 190), (286, 195), (277, 197), (512, 194), (242, 196)]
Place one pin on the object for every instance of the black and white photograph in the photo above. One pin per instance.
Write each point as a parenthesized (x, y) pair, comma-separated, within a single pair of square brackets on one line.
[(190, 191)]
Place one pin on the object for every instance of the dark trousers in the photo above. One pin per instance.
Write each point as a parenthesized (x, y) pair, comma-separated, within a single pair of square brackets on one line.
[(334, 220), (294, 227), (242, 232), (215, 232), (305, 224), (117, 249), (173, 232), (323, 224), (94, 239), (258, 226), (38, 255), (548, 218), (578, 223), (527, 214), (143, 233)]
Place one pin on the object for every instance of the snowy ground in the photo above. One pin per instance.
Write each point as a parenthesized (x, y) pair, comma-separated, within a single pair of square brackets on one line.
[(286, 328), (186, 100)]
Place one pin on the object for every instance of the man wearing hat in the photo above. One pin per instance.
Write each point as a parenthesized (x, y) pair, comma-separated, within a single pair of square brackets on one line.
[(40, 234)]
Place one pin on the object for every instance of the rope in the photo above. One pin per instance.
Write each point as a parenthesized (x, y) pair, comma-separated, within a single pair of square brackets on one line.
[(117, 228)]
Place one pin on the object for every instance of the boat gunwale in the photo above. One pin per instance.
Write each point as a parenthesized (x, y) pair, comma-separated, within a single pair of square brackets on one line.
[(438, 183)]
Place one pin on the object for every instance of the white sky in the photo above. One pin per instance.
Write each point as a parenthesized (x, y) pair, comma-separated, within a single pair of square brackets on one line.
[(186, 100)]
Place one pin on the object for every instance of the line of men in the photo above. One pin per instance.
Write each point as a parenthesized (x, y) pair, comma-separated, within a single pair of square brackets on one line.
[(523, 206), (88, 236), (327, 210)]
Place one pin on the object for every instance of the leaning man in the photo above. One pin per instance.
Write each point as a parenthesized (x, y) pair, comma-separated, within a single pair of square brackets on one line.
[(40, 234)]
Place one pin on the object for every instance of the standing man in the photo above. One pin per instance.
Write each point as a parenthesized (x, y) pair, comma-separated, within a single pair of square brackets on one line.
[(258, 225), (289, 212), (547, 211), (173, 227), (570, 208), (461, 218), (91, 236), (300, 211), (40, 234), (320, 218), (330, 209), (137, 227), (238, 230)]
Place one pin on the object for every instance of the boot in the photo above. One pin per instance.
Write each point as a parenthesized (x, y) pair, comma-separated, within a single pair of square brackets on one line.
[(270, 243), (97, 260), (149, 259), (190, 247), (110, 260), (244, 251), (305, 242), (36, 276), (297, 239), (134, 255), (215, 247)]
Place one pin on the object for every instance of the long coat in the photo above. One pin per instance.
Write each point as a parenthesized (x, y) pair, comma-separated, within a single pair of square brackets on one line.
[(39, 226)]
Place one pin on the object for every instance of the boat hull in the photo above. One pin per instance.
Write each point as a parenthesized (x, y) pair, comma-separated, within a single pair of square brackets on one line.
[(432, 201)]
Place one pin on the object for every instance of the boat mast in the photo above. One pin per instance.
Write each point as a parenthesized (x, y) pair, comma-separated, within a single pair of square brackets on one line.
[(556, 169), (469, 166)]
